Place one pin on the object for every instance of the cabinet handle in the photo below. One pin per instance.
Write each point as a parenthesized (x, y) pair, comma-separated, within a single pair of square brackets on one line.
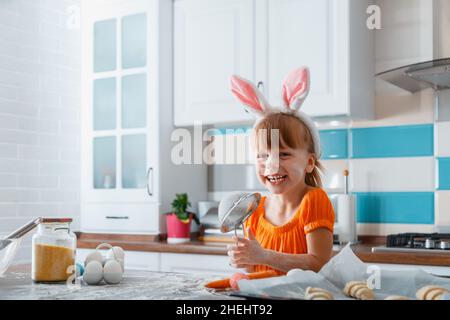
[(118, 217), (261, 86), (150, 191)]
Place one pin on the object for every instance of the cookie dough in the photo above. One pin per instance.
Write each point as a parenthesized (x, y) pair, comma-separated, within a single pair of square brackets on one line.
[(358, 290), (394, 297), (431, 293), (312, 293)]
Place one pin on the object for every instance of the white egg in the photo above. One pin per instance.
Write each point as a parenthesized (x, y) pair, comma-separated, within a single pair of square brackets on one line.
[(93, 272), (116, 253), (94, 256), (112, 272)]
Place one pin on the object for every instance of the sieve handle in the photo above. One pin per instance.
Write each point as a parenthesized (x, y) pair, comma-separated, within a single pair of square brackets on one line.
[(24, 229)]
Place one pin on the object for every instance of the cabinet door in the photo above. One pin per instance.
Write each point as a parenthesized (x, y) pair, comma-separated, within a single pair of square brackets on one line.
[(134, 260), (213, 39), (303, 32), (119, 116)]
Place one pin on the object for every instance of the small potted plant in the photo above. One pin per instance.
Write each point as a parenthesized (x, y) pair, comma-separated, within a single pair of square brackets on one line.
[(179, 220)]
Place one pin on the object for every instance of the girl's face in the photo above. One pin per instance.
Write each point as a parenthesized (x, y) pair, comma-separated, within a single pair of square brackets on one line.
[(285, 170)]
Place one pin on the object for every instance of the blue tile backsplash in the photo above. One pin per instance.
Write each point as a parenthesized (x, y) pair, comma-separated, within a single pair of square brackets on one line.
[(395, 207), (409, 204), (334, 144), (396, 141), (443, 173)]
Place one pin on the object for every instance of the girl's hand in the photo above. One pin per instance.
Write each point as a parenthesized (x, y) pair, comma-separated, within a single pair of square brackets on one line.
[(246, 252)]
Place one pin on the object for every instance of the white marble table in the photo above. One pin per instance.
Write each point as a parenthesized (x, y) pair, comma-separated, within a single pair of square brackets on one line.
[(16, 284)]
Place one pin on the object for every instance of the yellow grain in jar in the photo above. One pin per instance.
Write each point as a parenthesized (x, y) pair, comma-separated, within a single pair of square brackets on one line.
[(51, 263), (54, 248)]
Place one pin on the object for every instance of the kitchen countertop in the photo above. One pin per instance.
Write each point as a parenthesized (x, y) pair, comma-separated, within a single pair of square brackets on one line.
[(363, 250), (136, 285)]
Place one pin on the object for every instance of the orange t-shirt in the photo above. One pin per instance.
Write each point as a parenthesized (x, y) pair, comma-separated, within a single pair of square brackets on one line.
[(315, 211)]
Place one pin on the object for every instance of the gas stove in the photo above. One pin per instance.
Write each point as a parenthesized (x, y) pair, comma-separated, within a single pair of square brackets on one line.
[(416, 242)]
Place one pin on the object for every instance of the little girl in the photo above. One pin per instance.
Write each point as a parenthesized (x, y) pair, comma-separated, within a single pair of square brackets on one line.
[(293, 226)]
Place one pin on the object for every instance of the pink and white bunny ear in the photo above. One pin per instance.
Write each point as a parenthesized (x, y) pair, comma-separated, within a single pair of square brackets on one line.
[(249, 95), (296, 88)]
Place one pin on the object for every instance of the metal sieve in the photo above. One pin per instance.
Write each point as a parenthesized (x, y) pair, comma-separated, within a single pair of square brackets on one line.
[(236, 208)]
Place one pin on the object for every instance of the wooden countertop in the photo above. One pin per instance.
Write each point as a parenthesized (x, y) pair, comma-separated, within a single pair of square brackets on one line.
[(363, 250)]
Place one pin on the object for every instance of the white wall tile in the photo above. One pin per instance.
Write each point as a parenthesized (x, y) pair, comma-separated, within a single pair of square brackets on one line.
[(11, 223), (71, 155), (15, 195), (19, 166), (59, 168), (38, 209), (14, 64), (69, 127), (18, 108), (38, 125), (384, 229), (37, 181), (38, 152), (18, 137), (59, 140), (11, 19), (59, 195), (442, 139), (70, 102), (9, 93), (63, 114), (442, 208), (20, 80), (39, 114), (8, 150), (8, 180), (8, 121), (69, 182), (8, 209), (39, 13), (333, 177), (392, 174), (32, 96)]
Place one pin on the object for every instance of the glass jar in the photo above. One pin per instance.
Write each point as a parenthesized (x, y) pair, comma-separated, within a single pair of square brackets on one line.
[(54, 248)]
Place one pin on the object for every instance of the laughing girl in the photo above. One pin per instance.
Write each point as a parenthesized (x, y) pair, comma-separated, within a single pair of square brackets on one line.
[(293, 226)]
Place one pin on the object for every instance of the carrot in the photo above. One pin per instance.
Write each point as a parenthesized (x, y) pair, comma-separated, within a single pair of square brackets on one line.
[(262, 274), (218, 284), (225, 283)]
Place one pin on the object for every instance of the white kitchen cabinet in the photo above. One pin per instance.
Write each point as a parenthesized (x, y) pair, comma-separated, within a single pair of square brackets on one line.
[(171, 262), (213, 40), (332, 39), (134, 260), (128, 176), (329, 36), (196, 263)]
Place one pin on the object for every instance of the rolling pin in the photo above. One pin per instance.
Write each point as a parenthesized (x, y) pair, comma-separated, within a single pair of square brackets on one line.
[(232, 282)]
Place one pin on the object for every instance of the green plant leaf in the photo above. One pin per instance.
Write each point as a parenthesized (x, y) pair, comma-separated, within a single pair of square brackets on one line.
[(180, 204)]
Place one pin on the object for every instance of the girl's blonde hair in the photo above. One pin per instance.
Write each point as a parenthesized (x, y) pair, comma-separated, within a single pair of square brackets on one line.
[(294, 134)]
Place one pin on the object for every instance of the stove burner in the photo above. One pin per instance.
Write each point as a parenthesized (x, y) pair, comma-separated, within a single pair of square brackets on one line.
[(431, 241), (444, 245)]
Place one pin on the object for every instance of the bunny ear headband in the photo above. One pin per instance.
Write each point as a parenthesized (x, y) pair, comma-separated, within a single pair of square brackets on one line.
[(295, 91)]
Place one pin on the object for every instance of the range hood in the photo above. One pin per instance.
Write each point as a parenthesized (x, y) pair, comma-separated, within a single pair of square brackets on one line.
[(430, 74), (434, 73)]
